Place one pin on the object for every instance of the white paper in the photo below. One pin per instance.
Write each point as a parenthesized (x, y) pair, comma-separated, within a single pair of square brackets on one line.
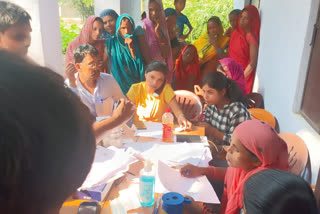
[(128, 200), (108, 162), (199, 188), (153, 130)]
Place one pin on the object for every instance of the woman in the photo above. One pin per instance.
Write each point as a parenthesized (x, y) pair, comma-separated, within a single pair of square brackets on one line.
[(233, 17), (187, 70), (153, 31), (109, 18), (154, 96), (90, 34), (234, 71), (226, 107), (244, 43), (255, 146), (125, 59), (211, 46), (275, 192)]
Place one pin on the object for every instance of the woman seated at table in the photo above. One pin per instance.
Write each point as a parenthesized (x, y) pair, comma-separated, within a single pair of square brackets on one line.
[(153, 96), (234, 71), (212, 45), (226, 107), (276, 192), (254, 146), (153, 37), (125, 59)]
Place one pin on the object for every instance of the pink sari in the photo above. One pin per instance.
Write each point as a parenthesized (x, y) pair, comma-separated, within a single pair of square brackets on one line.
[(152, 40), (84, 38), (262, 140)]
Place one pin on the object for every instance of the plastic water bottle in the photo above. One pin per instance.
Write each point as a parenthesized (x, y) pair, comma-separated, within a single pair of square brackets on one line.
[(147, 185), (167, 126)]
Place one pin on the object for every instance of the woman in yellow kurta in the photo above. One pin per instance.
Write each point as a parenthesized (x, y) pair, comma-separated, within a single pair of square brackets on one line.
[(154, 96), (212, 45)]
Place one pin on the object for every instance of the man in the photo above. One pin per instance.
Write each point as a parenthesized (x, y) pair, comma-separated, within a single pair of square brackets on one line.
[(15, 28)]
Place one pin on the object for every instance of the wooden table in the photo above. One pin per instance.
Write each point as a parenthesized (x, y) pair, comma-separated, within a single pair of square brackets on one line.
[(70, 206)]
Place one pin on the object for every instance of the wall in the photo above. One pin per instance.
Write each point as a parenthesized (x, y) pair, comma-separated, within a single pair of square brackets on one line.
[(45, 46), (286, 29), (131, 7)]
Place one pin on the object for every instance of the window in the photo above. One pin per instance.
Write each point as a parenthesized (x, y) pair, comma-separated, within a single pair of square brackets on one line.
[(310, 107)]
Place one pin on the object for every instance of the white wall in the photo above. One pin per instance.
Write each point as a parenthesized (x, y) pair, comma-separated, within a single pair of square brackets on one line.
[(284, 52), (239, 4), (45, 46), (131, 7)]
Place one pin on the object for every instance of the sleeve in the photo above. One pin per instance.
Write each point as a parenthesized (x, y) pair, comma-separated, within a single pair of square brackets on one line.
[(207, 115), (139, 31), (251, 39), (133, 93), (187, 22), (168, 93), (116, 90), (74, 90), (239, 114)]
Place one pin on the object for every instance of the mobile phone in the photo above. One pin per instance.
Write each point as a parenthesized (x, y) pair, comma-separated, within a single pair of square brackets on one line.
[(89, 207), (130, 122)]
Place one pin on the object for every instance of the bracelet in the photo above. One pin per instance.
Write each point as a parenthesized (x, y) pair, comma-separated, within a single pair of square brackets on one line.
[(219, 51)]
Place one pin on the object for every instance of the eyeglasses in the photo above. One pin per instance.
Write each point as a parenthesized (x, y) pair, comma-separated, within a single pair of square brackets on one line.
[(95, 64)]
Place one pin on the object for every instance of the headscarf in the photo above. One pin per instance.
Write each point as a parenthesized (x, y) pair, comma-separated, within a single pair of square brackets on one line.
[(261, 140), (207, 51), (152, 38), (239, 47), (192, 68), (125, 69), (84, 38), (234, 71), (108, 12)]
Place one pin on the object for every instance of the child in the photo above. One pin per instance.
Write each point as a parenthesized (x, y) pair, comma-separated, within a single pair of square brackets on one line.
[(182, 19), (15, 28), (226, 107), (285, 193), (254, 146), (233, 16)]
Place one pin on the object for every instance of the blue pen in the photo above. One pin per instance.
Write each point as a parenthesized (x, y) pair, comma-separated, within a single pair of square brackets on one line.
[(157, 205)]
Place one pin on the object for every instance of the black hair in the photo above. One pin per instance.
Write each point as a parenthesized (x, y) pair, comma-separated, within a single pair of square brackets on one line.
[(235, 12), (98, 19), (143, 15), (274, 191), (82, 51), (170, 12), (157, 66), (11, 15), (219, 67), (219, 82), (175, 1), (215, 19), (47, 142)]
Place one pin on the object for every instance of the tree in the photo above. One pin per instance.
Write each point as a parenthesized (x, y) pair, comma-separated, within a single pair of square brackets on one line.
[(85, 8)]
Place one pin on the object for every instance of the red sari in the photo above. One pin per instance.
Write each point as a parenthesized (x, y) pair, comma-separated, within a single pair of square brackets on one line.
[(239, 43)]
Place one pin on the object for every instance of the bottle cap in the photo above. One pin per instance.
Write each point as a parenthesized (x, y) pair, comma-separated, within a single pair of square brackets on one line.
[(168, 110), (147, 166)]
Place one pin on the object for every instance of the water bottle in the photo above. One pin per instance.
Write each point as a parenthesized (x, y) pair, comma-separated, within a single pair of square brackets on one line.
[(167, 126), (147, 185)]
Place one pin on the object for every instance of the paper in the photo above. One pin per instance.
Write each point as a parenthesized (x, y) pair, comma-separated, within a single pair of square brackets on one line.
[(108, 162), (128, 200), (171, 180), (153, 130)]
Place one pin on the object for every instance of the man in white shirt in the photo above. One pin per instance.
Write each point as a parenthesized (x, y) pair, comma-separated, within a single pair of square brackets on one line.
[(98, 91)]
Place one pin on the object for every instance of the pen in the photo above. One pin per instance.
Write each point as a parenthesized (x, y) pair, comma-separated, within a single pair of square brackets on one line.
[(157, 205)]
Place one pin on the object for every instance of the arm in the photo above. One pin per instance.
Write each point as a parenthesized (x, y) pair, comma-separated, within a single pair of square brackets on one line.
[(253, 59), (189, 32), (124, 112), (211, 132), (213, 173), (219, 50), (105, 60), (174, 105), (144, 49)]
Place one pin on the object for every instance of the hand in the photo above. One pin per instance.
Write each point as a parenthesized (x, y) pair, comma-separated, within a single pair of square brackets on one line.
[(184, 123), (124, 111), (70, 72), (214, 41), (128, 41), (183, 37), (191, 171), (193, 207), (202, 124)]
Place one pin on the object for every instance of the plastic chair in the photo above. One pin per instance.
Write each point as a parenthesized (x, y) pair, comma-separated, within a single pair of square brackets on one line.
[(190, 104), (264, 115), (299, 162), (255, 100)]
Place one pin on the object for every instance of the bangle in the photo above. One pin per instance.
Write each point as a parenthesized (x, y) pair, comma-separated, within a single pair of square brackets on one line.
[(219, 51)]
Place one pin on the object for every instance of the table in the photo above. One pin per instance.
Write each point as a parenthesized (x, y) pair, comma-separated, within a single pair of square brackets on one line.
[(70, 206)]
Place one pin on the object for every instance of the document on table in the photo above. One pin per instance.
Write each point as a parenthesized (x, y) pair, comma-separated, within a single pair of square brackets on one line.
[(170, 180), (108, 162), (153, 130)]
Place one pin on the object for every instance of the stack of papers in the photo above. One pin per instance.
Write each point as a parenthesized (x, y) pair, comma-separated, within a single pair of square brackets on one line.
[(108, 163)]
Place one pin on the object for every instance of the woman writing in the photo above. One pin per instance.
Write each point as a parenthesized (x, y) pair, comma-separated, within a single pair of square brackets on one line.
[(244, 43), (125, 58)]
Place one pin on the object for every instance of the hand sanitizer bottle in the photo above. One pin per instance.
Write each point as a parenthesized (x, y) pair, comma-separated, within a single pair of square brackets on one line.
[(147, 185)]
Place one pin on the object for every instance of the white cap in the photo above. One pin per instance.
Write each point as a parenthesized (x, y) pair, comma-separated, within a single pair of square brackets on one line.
[(147, 166)]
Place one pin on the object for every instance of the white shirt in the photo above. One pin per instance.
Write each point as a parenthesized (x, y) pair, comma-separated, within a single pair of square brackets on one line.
[(107, 92)]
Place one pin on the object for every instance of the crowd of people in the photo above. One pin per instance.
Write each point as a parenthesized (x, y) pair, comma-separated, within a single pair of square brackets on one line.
[(117, 69)]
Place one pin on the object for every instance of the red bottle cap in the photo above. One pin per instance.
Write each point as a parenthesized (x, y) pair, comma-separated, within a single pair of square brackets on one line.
[(168, 110)]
